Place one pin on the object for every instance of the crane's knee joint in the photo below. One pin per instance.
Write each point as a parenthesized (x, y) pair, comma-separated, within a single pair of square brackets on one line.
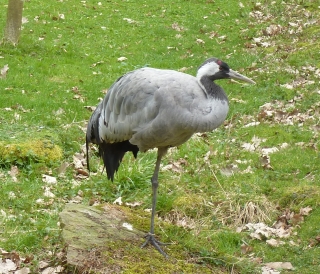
[(154, 182)]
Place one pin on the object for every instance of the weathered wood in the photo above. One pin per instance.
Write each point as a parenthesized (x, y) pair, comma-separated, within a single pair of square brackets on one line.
[(14, 21)]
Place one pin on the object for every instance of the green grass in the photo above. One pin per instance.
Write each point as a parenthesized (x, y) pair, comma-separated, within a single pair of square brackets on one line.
[(62, 65)]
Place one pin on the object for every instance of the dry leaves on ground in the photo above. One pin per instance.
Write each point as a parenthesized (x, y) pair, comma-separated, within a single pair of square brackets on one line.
[(177, 166), (4, 71), (282, 228), (275, 236), (14, 172), (275, 267), (12, 263)]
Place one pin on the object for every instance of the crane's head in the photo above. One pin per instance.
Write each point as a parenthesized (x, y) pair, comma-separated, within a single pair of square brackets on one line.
[(215, 69)]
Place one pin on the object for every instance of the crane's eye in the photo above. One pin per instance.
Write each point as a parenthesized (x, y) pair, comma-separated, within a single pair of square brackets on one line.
[(223, 67)]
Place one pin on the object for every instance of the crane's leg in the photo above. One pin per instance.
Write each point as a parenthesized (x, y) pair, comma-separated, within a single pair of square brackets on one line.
[(150, 239)]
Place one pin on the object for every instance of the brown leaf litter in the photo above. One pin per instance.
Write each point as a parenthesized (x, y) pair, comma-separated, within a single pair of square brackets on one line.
[(282, 228)]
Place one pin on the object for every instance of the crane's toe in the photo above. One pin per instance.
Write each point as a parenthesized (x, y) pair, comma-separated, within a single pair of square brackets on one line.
[(150, 239)]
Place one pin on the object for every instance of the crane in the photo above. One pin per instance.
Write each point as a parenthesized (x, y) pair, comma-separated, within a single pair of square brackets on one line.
[(157, 108)]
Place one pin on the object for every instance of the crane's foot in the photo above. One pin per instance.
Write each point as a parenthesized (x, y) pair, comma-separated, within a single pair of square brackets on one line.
[(150, 239)]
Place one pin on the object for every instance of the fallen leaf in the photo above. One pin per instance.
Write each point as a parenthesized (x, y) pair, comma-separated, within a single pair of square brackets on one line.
[(7, 265), (292, 243), (12, 195), (305, 211), (272, 30), (252, 124), (266, 44), (261, 231), (240, 101), (118, 201), (121, 59), (48, 193), (4, 71), (176, 27), (59, 112), (130, 21), (200, 41), (79, 97), (296, 219), (77, 200), (49, 179), (266, 151), (13, 256), (14, 172), (246, 249), (40, 201), (268, 270), (176, 166), (24, 20), (127, 226), (24, 270), (53, 270), (17, 116), (97, 63), (260, 235), (284, 145), (82, 172), (282, 222), (213, 34), (229, 170), (256, 260), (183, 69), (28, 259), (223, 37), (274, 242), (265, 162), (134, 204), (280, 265), (257, 141), (78, 161), (248, 147), (90, 108)]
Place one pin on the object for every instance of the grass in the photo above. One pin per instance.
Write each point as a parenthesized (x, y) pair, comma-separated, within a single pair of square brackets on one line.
[(68, 54)]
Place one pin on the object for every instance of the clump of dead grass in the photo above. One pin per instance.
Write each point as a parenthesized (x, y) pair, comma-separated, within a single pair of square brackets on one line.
[(237, 210), (190, 212), (196, 213)]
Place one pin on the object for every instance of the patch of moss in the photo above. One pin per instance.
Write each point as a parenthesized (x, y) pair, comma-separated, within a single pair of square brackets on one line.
[(192, 205), (126, 256), (38, 150)]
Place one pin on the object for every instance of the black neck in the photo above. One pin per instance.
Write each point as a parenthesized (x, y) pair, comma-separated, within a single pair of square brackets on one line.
[(212, 89)]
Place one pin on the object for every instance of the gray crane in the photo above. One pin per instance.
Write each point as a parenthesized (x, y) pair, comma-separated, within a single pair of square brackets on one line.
[(155, 108)]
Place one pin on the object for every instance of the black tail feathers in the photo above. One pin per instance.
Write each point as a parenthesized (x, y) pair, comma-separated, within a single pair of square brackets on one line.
[(112, 154)]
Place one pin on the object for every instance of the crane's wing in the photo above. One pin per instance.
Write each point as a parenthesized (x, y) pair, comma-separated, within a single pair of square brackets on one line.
[(152, 108), (131, 104), (149, 108)]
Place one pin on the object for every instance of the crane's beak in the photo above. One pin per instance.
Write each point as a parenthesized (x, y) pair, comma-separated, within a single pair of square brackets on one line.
[(235, 75)]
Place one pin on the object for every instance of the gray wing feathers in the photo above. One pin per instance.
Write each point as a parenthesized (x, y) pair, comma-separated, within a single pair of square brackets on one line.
[(129, 104), (154, 108)]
